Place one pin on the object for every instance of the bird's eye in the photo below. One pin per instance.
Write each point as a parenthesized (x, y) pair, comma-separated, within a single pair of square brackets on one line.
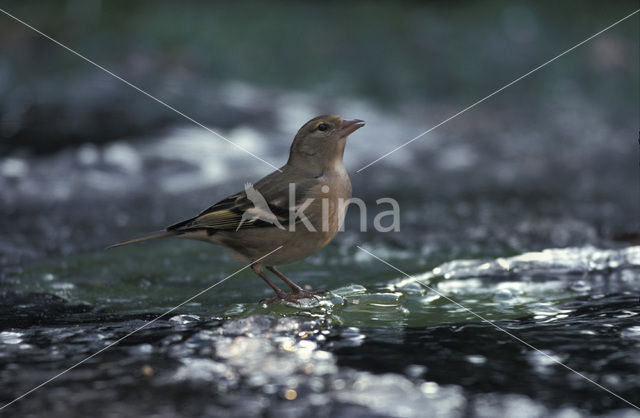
[(323, 127)]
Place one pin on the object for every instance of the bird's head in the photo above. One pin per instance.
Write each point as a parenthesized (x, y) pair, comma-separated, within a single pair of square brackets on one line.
[(321, 141)]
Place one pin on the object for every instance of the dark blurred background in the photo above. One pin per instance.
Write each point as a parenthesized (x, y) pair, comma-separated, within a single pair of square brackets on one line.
[(390, 54)]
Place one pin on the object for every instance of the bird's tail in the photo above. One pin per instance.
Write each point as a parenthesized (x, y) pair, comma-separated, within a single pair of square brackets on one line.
[(147, 237)]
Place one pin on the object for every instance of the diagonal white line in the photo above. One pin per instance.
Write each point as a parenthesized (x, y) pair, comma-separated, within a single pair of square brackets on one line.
[(501, 329), (240, 147), (136, 330), (498, 91)]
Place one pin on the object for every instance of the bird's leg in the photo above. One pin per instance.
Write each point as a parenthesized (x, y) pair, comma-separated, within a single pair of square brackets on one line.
[(271, 285), (280, 294), (297, 290), (294, 287)]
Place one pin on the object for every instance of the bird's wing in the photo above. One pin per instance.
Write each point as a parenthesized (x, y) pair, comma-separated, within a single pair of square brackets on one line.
[(227, 213)]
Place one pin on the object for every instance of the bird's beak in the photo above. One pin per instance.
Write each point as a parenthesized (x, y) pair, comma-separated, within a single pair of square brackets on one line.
[(349, 126)]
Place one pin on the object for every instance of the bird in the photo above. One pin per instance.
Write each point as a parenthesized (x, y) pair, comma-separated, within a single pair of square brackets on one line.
[(286, 216)]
